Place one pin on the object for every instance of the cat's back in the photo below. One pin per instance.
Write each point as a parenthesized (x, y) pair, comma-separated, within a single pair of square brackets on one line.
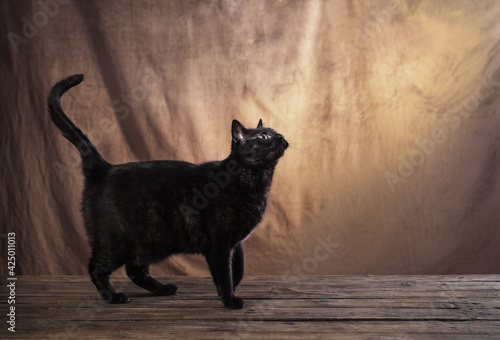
[(150, 169), (134, 177), (150, 175)]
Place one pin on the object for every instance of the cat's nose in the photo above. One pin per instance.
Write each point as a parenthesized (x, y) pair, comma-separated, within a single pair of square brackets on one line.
[(285, 143)]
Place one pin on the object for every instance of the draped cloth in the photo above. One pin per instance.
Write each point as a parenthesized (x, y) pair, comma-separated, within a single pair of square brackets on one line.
[(391, 109)]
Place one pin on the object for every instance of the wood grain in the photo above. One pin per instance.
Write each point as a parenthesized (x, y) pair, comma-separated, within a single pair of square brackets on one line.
[(315, 307)]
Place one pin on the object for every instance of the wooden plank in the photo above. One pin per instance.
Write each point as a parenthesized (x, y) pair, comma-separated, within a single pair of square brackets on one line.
[(270, 313), (266, 330), (150, 301), (323, 288), (324, 307), (304, 279), (62, 282), (276, 294)]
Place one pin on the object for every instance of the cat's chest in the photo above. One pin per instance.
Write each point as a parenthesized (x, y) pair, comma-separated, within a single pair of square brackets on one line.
[(242, 215)]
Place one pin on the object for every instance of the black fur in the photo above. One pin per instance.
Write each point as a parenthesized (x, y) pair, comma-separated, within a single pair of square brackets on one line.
[(136, 214)]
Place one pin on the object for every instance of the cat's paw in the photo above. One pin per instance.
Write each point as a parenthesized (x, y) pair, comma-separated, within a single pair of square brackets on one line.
[(119, 298), (234, 303), (167, 289), (113, 297)]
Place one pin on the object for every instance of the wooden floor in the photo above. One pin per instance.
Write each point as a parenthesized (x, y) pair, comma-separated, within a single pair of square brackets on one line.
[(319, 307)]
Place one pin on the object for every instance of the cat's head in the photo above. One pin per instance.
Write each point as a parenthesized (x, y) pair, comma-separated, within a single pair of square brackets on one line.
[(259, 147)]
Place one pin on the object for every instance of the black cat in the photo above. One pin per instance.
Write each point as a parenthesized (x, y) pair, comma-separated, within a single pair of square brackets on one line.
[(140, 213)]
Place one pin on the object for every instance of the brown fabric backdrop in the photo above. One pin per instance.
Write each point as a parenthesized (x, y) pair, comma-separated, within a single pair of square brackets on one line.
[(391, 109)]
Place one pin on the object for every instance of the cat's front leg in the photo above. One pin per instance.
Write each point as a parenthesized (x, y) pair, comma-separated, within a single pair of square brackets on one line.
[(220, 266), (238, 264)]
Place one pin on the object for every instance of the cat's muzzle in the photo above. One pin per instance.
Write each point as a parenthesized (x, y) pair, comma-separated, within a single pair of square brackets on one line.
[(284, 142)]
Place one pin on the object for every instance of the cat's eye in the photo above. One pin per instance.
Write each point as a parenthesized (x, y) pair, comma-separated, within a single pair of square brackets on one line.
[(264, 136)]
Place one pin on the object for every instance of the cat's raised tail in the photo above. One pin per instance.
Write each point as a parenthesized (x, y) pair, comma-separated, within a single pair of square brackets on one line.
[(90, 156)]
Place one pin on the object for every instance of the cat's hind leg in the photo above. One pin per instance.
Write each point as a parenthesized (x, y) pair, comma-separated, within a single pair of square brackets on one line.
[(99, 270), (140, 276)]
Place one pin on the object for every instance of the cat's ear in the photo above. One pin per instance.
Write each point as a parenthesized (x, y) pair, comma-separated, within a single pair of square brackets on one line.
[(238, 132), (260, 123)]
